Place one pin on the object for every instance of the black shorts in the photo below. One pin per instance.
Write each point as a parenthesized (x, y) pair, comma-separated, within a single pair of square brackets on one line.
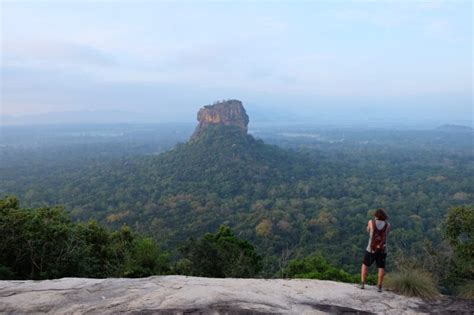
[(379, 259)]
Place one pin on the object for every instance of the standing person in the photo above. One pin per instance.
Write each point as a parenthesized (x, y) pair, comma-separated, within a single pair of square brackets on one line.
[(378, 229)]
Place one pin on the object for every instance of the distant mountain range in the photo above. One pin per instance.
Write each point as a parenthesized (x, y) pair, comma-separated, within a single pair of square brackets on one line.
[(117, 116), (260, 115), (78, 117), (455, 128)]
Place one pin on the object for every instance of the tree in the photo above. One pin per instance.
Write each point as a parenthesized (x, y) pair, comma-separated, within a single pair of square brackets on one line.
[(316, 267), (44, 243), (221, 255), (460, 234), (145, 260), (39, 243)]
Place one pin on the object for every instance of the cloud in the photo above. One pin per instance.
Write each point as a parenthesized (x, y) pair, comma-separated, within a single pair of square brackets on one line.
[(373, 16), (149, 55), (48, 52)]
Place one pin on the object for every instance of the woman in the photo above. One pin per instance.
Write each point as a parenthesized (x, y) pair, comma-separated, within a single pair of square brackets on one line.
[(378, 229)]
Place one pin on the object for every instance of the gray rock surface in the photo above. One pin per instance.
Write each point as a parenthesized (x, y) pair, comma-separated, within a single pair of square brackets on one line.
[(195, 295)]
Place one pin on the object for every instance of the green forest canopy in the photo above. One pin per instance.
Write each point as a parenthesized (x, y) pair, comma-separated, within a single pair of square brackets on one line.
[(289, 203)]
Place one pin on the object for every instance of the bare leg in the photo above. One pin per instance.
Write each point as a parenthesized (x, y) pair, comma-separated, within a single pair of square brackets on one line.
[(363, 273), (380, 277)]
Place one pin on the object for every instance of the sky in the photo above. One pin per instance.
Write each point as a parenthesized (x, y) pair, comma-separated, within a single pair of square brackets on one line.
[(328, 60)]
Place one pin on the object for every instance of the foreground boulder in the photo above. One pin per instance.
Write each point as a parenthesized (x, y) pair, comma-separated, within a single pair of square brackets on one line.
[(194, 295)]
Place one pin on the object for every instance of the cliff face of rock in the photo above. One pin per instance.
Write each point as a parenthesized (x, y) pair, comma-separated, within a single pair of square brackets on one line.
[(225, 113), (193, 295)]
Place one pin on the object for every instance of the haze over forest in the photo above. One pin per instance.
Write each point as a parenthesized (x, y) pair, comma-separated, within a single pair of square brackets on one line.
[(360, 63)]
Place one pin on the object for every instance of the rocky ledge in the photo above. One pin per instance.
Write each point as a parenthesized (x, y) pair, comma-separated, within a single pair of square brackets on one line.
[(194, 295), (226, 113)]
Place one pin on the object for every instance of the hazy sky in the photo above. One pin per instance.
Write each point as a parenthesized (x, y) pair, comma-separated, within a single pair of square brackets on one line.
[(404, 59)]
